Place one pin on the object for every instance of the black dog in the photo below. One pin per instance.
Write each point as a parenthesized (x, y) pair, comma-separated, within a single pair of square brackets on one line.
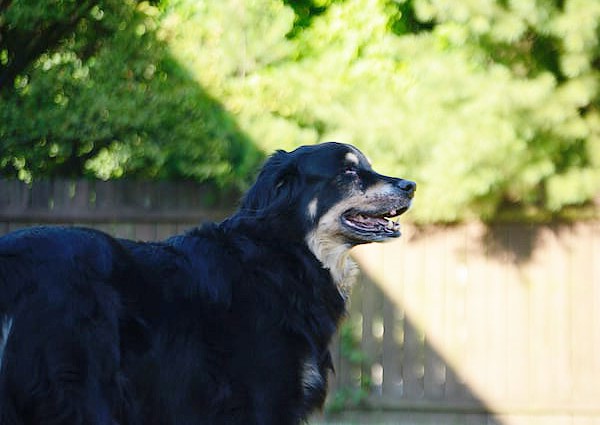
[(228, 324)]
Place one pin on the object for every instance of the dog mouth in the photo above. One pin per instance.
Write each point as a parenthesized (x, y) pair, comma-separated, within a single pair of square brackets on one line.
[(373, 225)]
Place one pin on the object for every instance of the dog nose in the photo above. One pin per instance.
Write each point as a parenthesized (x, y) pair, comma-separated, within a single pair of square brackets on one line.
[(407, 186)]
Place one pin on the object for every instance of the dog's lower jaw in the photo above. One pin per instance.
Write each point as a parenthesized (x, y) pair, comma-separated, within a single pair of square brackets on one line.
[(334, 256)]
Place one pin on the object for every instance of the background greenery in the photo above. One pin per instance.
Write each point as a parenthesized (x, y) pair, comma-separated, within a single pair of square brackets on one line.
[(490, 105)]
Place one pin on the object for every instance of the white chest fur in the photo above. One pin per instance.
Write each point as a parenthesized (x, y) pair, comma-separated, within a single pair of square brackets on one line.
[(334, 256)]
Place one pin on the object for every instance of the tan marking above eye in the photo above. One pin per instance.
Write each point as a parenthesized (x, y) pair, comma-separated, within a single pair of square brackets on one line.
[(352, 157)]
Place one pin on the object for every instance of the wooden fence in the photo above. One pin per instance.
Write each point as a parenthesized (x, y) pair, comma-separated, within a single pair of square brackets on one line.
[(467, 324), (497, 324), (133, 209)]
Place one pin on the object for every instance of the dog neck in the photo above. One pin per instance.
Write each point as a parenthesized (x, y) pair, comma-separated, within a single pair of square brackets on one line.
[(335, 257)]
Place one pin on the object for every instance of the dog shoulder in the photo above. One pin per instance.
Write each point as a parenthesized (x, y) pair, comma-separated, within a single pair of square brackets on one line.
[(47, 254), (203, 261)]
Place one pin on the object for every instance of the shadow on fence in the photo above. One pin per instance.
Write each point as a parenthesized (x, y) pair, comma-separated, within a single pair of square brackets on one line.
[(399, 376)]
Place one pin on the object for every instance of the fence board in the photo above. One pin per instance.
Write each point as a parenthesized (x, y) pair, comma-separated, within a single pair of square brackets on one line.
[(391, 353), (474, 276), (433, 282), (582, 315), (517, 316), (594, 295), (412, 367), (82, 198), (455, 329), (165, 230), (371, 306), (496, 320)]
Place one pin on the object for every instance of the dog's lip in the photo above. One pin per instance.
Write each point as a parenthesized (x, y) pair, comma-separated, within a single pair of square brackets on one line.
[(376, 222)]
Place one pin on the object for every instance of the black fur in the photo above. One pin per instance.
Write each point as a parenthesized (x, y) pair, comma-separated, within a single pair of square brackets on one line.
[(216, 326)]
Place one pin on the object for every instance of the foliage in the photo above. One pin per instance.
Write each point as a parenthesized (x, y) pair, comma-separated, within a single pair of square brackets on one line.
[(489, 105), (109, 100)]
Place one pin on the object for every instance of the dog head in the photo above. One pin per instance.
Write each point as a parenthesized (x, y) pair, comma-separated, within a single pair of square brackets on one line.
[(331, 189), (329, 196)]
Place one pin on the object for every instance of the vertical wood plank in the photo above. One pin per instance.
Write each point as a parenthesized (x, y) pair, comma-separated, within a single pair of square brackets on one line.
[(123, 230), (457, 302), (413, 367), (563, 383), (19, 196), (41, 195), (144, 232), (83, 196), (498, 265), (434, 378), (413, 295), (61, 197), (372, 331), (105, 196), (582, 315), (474, 275), (595, 299), (550, 316), (517, 318), (346, 379), (391, 353), (5, 190), (4, 228), (165, 231), (334, 376)]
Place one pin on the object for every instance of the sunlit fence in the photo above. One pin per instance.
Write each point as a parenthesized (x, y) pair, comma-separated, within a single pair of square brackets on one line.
[(497, 324), (464, 324)]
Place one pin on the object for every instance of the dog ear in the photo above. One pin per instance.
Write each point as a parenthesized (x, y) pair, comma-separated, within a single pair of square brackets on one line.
[(272, 189)]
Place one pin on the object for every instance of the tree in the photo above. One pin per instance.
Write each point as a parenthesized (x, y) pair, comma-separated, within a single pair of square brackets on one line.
[(109, 100), (544, 59), (489, 106)]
